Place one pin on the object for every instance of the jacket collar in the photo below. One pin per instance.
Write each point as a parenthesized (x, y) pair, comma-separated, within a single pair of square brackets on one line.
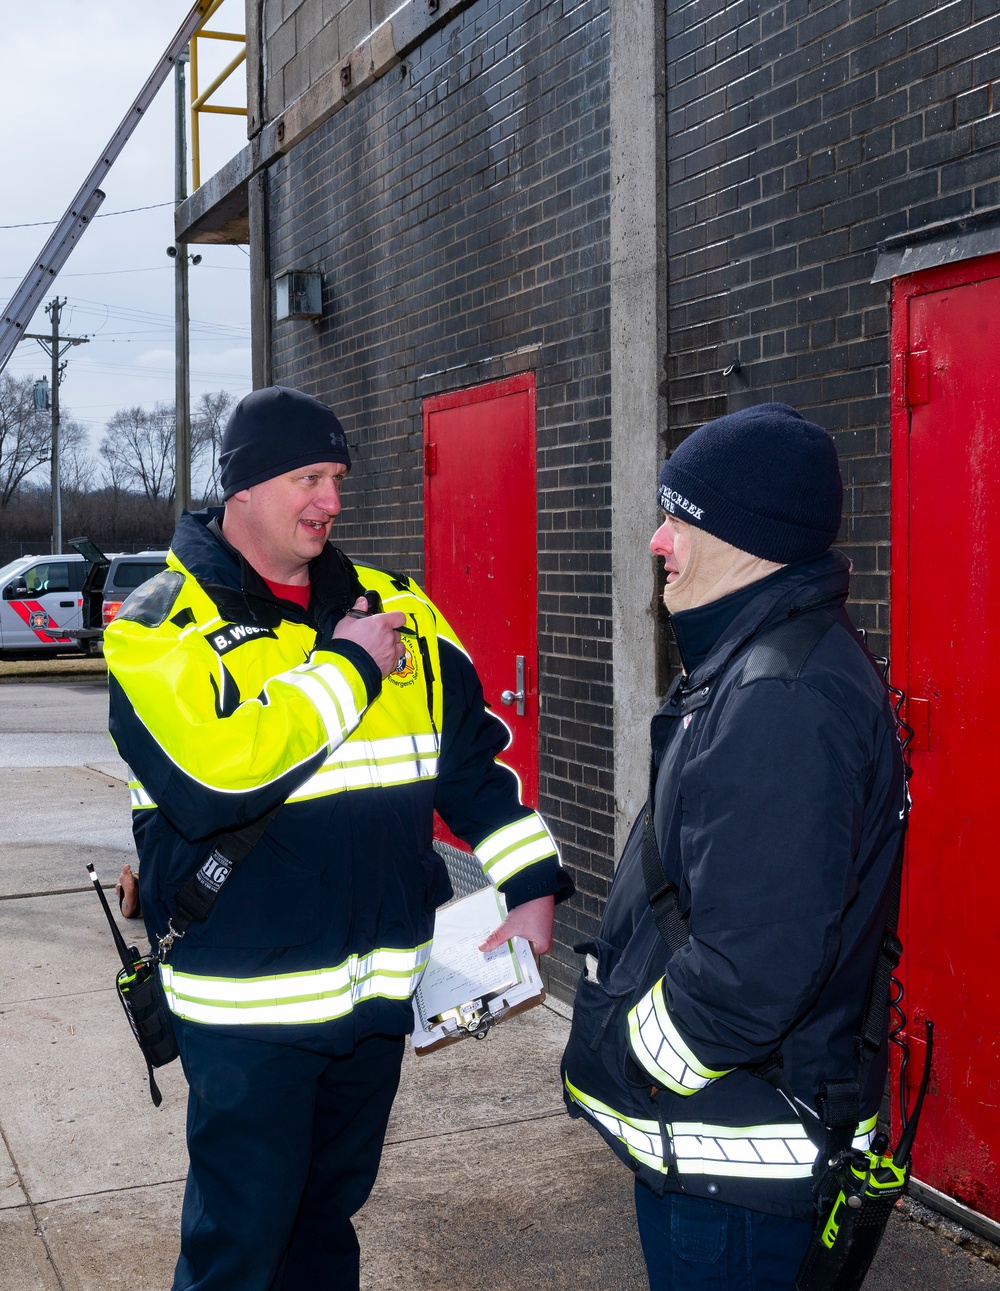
[(238, 589), (808, 584)]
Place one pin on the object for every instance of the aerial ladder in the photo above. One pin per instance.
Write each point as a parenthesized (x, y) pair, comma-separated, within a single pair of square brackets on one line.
[(66, 234)]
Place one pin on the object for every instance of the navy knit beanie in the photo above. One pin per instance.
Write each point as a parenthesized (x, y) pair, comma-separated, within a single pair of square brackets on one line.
[(275, 430), (764, 480)]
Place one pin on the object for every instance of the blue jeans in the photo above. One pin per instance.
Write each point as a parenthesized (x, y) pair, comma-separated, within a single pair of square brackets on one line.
[(284, 1146), (694, 1244)]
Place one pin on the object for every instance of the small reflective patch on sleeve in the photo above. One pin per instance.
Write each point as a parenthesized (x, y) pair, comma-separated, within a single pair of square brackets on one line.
[(150, 603)]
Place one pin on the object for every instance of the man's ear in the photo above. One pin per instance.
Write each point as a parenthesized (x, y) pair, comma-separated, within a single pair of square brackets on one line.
[(241, 495)]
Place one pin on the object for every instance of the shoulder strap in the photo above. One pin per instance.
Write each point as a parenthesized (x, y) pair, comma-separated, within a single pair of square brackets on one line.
[(780, 652), (195, 900)]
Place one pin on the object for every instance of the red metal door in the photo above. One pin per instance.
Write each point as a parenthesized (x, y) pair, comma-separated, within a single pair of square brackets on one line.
[(946, 654), (480, 545)]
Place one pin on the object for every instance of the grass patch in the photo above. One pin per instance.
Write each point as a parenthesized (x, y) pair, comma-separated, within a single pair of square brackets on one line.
[(35, 669)]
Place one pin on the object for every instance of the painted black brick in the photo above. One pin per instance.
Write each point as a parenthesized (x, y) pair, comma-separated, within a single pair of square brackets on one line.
[(459, 211), (867, 119)]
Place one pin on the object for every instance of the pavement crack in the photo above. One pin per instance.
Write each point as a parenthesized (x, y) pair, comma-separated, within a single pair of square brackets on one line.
[(36, 1219), (46, 892), (472, 1129)]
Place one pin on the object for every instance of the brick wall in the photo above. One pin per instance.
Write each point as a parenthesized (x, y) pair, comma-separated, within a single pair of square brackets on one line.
[(458, 210), (800, 134)]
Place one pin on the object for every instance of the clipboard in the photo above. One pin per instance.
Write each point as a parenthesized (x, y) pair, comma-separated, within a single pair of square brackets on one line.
[(462, 992)]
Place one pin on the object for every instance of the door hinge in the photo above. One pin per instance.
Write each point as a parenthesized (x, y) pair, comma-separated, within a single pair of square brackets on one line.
[(918, 377), (430, 459)]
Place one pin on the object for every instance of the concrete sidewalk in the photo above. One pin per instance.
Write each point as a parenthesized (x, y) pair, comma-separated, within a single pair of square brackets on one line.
[(485, 1182)]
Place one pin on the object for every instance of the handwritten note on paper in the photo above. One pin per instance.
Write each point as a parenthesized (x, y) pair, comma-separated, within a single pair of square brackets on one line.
[(458, 971)]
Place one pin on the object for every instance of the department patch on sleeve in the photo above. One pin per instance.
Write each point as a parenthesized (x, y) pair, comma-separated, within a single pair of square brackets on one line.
[(151, 602)]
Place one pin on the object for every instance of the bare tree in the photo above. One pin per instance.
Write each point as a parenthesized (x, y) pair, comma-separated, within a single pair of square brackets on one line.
[(25, 433), (77, 467), (207, 424), (137, 451)]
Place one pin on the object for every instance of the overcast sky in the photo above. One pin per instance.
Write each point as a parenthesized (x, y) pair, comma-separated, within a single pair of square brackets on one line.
[(69, 70)]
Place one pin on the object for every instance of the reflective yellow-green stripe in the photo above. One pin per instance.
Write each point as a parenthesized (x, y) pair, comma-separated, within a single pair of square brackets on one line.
[(509, 850), (365, 763), (319, 995)]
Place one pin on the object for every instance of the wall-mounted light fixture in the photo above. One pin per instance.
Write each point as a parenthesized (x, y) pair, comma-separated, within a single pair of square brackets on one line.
[(298, 294)]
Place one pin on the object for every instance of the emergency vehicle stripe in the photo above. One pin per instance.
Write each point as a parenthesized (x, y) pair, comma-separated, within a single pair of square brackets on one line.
[(363, 764), (326, 686), (138, 796), (660, 1050), (782, 1151), (287, 998), (509, 850)]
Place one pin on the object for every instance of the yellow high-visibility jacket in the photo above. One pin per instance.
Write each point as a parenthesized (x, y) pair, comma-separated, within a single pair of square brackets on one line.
[(226, 703)]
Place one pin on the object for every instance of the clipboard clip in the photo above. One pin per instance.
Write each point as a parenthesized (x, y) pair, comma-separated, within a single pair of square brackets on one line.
[(474, 1018)]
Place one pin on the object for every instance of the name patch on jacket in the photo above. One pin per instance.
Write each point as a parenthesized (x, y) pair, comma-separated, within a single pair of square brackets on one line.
[(235, 634)]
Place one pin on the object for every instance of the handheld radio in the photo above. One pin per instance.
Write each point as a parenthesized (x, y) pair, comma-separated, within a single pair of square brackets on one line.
[(141, 994), (856, 1194)]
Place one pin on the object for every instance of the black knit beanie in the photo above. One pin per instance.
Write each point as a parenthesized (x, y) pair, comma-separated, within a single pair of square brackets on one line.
[(275, 430), (764, 480)]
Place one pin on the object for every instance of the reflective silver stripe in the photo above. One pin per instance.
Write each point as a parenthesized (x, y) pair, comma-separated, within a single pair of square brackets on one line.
[(317, 996), (508, 850), (331, 694), (782, 1151), (362, 764), (641, 1137), (661, 1051), (138, 796), (752, 1151)]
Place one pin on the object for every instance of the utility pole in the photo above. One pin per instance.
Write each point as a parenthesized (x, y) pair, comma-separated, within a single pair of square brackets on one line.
[(182, 386), (56, 346)]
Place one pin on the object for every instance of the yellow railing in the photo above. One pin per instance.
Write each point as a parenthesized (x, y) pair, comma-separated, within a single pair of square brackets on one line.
[(200, 97)]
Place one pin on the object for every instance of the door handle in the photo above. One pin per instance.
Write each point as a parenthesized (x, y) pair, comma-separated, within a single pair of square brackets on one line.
[(66, 605), (516, 696)]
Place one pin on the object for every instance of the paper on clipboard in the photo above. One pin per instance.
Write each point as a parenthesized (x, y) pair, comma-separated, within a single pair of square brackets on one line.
[(461, 986)]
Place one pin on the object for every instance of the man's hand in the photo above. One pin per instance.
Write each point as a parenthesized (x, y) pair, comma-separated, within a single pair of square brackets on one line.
[(532, 920), (376, 633)]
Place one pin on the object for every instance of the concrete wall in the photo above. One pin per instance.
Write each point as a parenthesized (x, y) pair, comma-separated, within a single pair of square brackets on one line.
[(304, 38)]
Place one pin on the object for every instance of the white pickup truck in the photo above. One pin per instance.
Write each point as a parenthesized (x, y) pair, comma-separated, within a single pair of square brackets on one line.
[(41, 598)]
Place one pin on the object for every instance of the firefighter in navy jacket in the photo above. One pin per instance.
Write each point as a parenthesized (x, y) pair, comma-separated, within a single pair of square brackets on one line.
[(248, 677), (777, 811)]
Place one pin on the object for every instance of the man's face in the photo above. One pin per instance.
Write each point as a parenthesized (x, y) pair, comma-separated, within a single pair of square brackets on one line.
[(672, 541), (290, 516)]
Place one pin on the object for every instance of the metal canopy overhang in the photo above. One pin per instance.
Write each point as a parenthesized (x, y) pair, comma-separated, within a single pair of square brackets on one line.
[(938, 244)]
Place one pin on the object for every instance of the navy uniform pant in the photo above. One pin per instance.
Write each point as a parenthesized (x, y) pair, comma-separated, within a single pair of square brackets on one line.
[(284, 1145), (695, 1244)]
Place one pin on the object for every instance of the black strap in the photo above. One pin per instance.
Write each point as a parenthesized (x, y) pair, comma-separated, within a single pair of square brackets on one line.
[(670, 923), (195, 900)]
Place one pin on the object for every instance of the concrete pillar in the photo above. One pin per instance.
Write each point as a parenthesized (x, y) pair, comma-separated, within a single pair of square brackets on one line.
[(638, 343), (260, 283)]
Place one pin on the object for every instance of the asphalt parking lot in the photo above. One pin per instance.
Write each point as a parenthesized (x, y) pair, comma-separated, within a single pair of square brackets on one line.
[(485, 1182)]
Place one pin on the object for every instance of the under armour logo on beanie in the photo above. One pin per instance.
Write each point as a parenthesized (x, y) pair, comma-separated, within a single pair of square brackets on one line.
[(763, 479), (276, 430)]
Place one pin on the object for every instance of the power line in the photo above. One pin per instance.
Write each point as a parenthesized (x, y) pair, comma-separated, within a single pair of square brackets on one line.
[(37, 224)]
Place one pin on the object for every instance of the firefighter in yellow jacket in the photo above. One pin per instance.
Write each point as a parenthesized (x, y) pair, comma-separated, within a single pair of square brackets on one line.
[(248, 677)]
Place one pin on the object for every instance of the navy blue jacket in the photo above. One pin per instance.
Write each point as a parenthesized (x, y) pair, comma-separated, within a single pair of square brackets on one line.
[(778, 811)]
